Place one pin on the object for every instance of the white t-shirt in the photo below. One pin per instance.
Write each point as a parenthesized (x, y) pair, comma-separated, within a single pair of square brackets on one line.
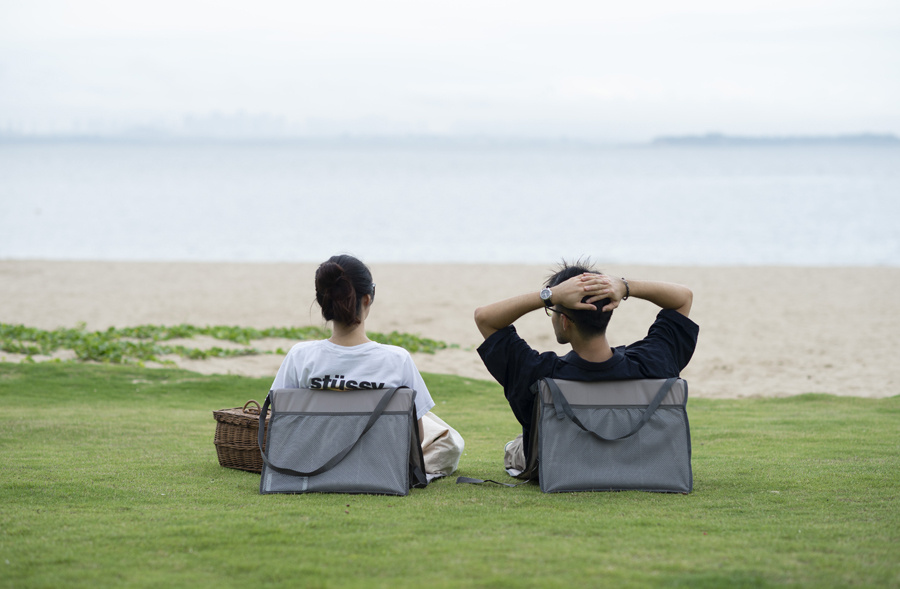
[(322, 364)]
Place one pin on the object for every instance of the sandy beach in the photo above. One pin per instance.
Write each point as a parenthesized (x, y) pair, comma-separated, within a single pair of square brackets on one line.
[(763, 331)]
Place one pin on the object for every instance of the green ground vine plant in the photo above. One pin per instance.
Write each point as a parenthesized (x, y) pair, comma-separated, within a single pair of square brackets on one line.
[(146, 343)]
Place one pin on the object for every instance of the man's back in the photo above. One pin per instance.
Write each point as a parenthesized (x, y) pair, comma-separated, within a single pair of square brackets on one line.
[(568, 298)]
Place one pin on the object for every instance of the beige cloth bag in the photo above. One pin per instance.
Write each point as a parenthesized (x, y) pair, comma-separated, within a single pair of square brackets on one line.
[(514, 456), (442, 446)]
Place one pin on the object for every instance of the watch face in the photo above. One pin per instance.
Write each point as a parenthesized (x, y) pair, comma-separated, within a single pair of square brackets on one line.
[(546, 294)]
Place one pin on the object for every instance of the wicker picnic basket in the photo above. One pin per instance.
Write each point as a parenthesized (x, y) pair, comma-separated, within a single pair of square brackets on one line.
[(236, 437)]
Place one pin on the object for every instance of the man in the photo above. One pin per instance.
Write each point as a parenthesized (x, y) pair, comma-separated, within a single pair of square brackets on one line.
[(580, 302)]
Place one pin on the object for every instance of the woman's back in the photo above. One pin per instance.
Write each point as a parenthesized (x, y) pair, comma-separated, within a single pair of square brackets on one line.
[(349, 360), (325, 365)]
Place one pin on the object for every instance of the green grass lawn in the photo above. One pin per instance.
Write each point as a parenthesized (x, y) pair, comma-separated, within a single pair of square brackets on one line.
[(110, 478)]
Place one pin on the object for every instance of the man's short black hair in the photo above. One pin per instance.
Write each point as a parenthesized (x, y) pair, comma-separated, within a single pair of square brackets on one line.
[(589, 323)]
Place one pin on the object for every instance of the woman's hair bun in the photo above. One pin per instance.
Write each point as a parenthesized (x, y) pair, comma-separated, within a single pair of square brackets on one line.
[(328, 274), (341, 282)]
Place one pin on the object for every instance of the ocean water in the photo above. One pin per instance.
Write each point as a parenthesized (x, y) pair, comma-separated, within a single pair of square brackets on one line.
[(430, 201)]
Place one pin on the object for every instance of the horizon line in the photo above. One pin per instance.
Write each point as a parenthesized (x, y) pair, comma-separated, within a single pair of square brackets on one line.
[(698, 139)]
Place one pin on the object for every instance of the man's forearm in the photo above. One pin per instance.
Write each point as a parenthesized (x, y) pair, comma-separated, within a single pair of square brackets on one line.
[(496, 316), (663, 294), (570, 293)]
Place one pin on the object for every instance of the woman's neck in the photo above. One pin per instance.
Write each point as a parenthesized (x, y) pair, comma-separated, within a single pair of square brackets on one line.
[(349, 335)]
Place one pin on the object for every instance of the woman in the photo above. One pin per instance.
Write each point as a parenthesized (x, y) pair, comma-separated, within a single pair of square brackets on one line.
[(350, 360)]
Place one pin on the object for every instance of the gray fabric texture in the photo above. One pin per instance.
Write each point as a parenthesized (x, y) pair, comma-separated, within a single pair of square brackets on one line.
[(655, 458), (320, 424)]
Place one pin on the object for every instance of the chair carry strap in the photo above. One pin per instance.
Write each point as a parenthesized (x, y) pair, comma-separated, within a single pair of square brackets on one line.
[(418, 476), (460, 480), (334, 460), (563, 409)]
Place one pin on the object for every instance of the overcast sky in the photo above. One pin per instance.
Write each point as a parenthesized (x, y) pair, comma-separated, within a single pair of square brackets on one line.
[(616, 71)]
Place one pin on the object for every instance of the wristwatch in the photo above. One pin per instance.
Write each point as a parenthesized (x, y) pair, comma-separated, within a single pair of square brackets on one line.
[(546, 294)]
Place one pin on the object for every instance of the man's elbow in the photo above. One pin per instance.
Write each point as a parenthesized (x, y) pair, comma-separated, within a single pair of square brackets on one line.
[(688, 300), (481, 322)]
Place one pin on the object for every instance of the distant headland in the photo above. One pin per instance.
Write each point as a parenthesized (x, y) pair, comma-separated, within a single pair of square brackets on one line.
[(719, 139)]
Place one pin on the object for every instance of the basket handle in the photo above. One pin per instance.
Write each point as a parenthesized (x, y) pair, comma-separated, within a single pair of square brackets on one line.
[(251, 411)]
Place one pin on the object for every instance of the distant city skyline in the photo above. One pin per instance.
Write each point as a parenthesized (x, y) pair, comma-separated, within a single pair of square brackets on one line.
[(267, 127), (575, 69)]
